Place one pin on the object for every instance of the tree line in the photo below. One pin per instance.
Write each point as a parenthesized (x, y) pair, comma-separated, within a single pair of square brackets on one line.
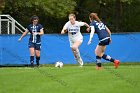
[(118, 15)]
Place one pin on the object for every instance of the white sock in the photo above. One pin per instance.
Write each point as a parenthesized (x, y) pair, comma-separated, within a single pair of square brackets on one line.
[(79, 59)]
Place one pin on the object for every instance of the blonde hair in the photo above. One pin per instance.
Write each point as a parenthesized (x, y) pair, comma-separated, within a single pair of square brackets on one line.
[(72, 15)]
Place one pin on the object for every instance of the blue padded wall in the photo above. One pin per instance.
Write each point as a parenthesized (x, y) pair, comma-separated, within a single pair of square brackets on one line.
[(55, 47)]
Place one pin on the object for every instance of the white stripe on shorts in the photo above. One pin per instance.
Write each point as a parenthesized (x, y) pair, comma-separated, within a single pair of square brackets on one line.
[(104, 39)]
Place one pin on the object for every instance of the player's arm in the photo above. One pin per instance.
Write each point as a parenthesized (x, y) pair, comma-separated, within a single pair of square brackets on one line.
[(88, 27), (108, 30), (91, 34), (85, 24), (26, 31), (39, 33), (64, 30)]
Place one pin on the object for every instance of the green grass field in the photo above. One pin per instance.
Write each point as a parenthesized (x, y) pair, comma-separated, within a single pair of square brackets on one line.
[(70, 79)]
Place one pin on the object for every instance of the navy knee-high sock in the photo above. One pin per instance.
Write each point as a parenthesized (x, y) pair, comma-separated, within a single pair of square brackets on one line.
[(37, 60), (98, 61), (108, 58), (32, 60)]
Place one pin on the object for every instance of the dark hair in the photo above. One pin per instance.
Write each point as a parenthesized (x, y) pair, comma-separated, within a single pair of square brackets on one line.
[(93, 16), (34, 17)]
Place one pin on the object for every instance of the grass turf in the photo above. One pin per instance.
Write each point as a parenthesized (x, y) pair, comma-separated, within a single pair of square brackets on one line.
[(70, 79)]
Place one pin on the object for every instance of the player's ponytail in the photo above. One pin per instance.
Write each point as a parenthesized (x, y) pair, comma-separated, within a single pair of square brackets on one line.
[(93, 16)]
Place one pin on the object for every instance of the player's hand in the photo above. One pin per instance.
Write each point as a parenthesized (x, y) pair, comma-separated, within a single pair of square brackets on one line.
[(35, 33), (19, 39), (62, 32), (89, 42), (88, 29)]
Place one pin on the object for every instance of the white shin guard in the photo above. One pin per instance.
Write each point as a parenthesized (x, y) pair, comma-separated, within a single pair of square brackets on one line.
[(78, 57)]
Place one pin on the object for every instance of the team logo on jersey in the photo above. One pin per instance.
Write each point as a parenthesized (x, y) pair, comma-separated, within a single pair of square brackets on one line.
[(73, 30)]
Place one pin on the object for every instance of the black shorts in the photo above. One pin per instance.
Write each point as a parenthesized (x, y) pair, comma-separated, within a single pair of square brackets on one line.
[(36, 46), (104, 42)]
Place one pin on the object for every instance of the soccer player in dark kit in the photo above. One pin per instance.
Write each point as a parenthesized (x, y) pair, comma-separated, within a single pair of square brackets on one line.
[(104, 36), (36, 30)]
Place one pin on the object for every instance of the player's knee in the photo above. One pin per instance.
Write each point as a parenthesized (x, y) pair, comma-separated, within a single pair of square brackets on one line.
[(103, 50), (37, 55), (74, 48)]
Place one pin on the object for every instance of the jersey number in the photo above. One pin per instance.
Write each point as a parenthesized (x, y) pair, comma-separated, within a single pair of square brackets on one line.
[(100, 26)]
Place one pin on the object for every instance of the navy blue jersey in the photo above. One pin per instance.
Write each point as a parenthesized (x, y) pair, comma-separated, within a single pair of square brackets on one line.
[(34, 28), (100, 29)]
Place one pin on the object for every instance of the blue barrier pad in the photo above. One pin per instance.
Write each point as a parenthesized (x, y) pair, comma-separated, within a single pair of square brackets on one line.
[(55, 47)]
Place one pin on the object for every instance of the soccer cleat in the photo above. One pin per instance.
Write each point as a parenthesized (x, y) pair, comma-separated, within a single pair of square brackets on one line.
[(80, 61), (116, 63), (81, 66), (32, 63), (37, 63)]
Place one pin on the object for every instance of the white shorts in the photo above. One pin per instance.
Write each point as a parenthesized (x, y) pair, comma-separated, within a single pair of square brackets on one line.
[(74, 38)]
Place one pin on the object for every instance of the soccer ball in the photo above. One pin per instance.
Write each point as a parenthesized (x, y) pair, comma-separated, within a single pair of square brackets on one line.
[(59, 64)]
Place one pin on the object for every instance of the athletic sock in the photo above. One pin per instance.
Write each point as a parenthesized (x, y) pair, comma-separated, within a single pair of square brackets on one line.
[(79, 59), (98, 61), (108, 58), (37, 60), (32, 60)]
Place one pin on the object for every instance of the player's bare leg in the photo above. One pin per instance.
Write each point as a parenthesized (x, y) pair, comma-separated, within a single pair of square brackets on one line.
[(99, 51), (76, 52)]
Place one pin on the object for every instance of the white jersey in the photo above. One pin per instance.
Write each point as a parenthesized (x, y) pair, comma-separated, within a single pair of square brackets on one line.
[(74, 31)]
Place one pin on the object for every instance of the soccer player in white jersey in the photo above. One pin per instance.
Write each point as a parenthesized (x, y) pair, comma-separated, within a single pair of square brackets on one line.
[(75, 36)]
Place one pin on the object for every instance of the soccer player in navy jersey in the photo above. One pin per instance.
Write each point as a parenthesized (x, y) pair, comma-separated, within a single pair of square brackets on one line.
[(36, 30), (104, 36)]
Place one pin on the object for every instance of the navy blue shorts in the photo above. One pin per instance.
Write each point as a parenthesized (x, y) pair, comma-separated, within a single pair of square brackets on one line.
[(104, 42), (36, 46)]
